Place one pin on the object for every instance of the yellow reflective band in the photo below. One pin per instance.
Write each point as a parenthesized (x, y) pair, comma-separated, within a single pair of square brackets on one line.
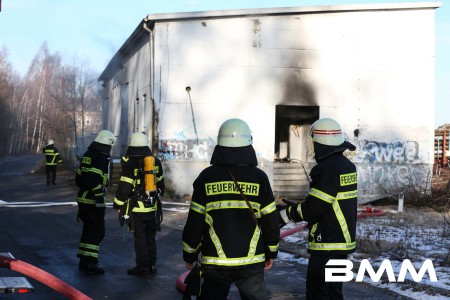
[(228, 187), (189, 249), (348, 179), (197, 207), (93, 170), (127, 179), (227, 204), (274, 248), (331, 246), (85, 201), (254, 242), (214, 237), (142, 209), (269, 208), (347, 195), (125, 159), (89, 246), (321, 195), (118, 202), (86, 160), (342, 222), (299, 210), (240, 261), (85, 253), (313, 230)]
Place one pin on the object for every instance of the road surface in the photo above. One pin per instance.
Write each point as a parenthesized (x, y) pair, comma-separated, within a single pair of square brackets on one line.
[(47, 237)]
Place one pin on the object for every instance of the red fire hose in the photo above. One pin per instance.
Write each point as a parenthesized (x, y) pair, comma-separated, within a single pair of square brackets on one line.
[(181, 286), (371, 212), (40, 275)]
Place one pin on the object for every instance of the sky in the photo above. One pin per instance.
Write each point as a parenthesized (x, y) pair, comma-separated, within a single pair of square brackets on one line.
[(95, 30)]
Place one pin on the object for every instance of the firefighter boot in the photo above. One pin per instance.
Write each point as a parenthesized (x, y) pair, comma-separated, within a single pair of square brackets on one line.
[(138, 271), (88, 267)]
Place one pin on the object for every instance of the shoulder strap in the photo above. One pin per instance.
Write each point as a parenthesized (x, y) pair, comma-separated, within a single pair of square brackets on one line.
[(242, 194)]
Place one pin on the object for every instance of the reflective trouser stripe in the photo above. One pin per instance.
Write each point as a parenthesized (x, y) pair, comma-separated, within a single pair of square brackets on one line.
[(88, 250)]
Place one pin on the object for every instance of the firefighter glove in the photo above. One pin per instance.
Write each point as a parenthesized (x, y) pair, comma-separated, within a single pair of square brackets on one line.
[(283, 218)]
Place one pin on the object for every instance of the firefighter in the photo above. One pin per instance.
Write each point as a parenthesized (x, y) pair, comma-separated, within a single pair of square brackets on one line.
[(232, 229), (52, 159), (142, 207), (92, 178), (330, 208)]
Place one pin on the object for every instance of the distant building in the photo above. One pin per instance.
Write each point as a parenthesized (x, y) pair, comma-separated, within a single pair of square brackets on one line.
[(371, 67), (442, 145), (93, 123)]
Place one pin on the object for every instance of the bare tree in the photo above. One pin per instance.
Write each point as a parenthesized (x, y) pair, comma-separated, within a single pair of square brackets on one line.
[(53, 100)]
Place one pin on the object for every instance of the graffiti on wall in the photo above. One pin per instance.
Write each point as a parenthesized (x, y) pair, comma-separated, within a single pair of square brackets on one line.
[(373, 152), (385, 168), (186, 150)]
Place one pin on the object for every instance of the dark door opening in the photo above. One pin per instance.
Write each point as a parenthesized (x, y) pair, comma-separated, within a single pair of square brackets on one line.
[(291, 126)]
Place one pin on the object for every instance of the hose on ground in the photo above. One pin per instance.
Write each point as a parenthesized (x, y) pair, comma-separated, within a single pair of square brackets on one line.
[(44, 277)]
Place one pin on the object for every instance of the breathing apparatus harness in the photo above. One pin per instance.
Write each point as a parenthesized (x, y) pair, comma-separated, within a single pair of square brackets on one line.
[(146, 191)]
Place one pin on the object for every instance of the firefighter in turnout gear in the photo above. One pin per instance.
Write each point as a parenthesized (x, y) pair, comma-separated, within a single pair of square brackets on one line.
[(330, 208), (138, 200), (232, 229), (52, 160), (92, 178)]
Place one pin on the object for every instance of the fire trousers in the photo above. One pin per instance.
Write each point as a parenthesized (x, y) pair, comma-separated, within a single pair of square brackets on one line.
[(93, 232), (316, 287), (144, 226), (249, 281), (50, 173)]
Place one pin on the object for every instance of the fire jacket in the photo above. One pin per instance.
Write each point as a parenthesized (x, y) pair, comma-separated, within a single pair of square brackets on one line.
[(93, 175), (131, 185), (52, 157), (220, 224), (331, 205)]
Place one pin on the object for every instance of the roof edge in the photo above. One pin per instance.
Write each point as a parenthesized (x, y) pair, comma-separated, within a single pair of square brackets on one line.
[(290, 10), (218, 14)]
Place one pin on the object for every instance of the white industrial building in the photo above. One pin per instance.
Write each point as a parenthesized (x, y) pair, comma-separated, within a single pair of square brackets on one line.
[(371, 67)]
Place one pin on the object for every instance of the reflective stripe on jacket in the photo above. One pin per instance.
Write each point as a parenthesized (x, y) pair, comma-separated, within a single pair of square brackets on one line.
[(92, 176), (131, 184), (220, 224), (331, 206), (52, 157)]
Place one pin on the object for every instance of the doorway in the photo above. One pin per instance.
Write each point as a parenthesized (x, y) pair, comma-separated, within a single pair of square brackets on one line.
[(292, 124)]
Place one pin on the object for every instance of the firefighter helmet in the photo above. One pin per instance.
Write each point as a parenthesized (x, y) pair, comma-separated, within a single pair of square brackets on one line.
[(50, 142), (234, 133), (105, 137), (327, 131), (138, 139)]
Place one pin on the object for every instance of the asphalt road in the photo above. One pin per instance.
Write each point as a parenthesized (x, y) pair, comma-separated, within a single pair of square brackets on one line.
[(47, 237)]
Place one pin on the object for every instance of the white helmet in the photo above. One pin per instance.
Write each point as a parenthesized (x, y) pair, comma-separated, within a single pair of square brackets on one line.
[(327, 131), (138, 139), (51, 142), (234, 133), (105, 137)]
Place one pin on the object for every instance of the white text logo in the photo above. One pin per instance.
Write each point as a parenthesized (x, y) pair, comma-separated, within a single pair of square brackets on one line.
[(346, 273)]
